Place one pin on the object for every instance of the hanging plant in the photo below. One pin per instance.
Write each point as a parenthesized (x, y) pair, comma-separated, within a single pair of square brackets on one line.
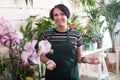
[(29, 2)]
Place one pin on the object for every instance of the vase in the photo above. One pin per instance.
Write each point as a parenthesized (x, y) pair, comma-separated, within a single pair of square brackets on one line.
[(94, 46), (99, 44), (87, 46)]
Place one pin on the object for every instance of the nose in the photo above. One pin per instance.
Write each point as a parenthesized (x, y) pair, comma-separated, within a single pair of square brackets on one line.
[(59, 16)]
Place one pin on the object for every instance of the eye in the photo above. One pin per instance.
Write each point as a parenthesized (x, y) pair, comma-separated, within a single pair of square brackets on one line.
[(55, 14)]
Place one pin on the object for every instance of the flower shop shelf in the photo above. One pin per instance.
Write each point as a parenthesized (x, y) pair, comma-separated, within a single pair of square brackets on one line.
[(101, 71)]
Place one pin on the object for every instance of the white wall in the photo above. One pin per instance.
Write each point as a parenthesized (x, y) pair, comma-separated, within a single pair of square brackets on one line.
[(18, 12)]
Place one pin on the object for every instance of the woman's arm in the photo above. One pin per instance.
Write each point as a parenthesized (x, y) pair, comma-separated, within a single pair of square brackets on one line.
[(79, 54), (89, 60), (50, 64)]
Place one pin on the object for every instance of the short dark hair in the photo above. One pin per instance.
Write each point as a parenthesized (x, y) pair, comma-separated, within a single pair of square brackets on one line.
[(63, 8)]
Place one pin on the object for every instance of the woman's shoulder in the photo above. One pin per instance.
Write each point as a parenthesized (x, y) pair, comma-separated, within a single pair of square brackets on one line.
[(48, 31), (74, 31)]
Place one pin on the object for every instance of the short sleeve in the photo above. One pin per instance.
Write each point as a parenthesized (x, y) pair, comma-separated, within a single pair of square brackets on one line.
[(80, 40)]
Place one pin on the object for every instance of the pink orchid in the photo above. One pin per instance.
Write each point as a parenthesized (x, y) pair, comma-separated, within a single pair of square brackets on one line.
[(5, 26), (34, 58), (29, 52), (30, 45), (5, 40), (44, 47), (16, 36), (28, 55), (9, 34)]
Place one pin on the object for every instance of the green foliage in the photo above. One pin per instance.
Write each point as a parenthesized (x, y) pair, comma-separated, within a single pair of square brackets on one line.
[(86, 37), (29, 2), (111, 12), (28, 31), (37, 26), (89, 2), (73, 20), (94, 26), (3, 67), (94, 33), (42, 24)]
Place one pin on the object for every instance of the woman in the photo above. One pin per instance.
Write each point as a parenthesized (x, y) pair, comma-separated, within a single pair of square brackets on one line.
[(67, 46)]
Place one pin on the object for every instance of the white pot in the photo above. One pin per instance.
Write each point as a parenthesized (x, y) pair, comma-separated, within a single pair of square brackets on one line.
[(94, 46)]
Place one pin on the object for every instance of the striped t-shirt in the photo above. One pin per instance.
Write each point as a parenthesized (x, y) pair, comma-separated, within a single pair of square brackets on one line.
[(53, 35)]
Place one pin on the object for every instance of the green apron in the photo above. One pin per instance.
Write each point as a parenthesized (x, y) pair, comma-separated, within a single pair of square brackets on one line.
[(66, 62)]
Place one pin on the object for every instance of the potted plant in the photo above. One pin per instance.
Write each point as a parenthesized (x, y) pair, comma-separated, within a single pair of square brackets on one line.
[(111, 12), (24, 51), (34, 30), (94, 26)]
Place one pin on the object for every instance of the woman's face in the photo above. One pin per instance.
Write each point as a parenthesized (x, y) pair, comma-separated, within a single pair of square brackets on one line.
[(59, 17)]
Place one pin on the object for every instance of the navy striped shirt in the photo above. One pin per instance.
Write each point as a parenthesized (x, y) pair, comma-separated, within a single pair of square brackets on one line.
[(53, 35)]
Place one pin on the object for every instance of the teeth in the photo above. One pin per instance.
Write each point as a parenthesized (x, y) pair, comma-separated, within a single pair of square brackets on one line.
[(59, 21)]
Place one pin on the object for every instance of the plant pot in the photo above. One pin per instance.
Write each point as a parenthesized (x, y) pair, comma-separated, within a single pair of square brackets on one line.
[(94, 46), (87, 47), (99, 44)]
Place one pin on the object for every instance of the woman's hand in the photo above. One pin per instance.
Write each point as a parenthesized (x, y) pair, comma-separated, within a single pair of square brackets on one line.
[(92, 60), (50, 65)]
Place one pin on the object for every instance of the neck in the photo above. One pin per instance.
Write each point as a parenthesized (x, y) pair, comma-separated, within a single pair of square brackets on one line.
[(61, 29)]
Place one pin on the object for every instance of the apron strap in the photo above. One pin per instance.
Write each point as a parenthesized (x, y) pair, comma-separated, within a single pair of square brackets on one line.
[(67, 34), (68, 30)]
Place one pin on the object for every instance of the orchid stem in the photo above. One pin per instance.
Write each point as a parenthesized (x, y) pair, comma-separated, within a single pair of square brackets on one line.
[(39, 68), (11, 60)]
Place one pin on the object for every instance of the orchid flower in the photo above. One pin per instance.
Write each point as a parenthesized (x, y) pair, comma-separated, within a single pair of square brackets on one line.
[(44, 47), (8, 34), (9, 37), (5, 26), (16, 36), (30, 52)]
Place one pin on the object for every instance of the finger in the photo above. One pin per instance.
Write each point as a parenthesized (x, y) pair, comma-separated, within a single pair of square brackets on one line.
[(97, 62), (48, 62), (49, 67), (94, 58)]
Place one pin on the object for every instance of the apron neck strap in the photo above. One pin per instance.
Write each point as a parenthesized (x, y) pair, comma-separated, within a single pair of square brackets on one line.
[(68, 34)]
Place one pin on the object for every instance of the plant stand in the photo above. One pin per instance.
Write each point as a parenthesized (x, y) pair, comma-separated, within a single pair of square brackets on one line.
[(101, 72)]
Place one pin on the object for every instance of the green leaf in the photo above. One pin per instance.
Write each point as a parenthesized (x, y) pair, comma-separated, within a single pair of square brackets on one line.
[(31, 2), (32, 17), (88, 2), (26, 1), (74, 17), (21, 29), (29, 26)]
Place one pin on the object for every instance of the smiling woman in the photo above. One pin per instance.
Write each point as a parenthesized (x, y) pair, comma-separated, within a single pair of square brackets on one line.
[(67, 45)]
